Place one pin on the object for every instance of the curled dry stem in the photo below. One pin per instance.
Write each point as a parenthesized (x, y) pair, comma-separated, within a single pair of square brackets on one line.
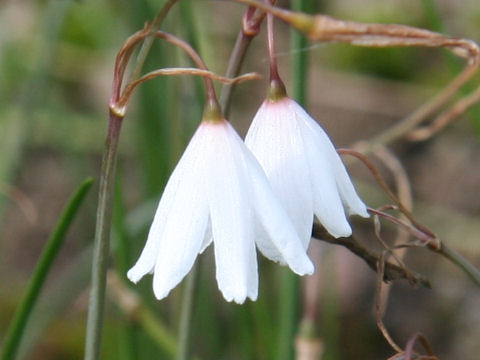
[(378, 304), (392, 272), (328, 29), (377, 228), (410, 354), (120, 106), (404, 194), (190, 51), (122, 59), (374, 171), (402, 184), (119, 98), (418, 337), (426, 237)]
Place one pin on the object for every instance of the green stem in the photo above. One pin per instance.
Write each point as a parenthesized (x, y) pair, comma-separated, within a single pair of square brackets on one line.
[(234, 65), (186, 314), (288, 314), (300, 58), (461, 263), (49, 254), (102, 241)]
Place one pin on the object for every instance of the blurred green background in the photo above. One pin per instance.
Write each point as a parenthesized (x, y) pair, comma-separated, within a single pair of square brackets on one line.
[(56, 64)]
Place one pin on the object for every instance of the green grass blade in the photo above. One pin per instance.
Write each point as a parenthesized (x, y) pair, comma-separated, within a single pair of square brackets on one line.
[(49, 254)]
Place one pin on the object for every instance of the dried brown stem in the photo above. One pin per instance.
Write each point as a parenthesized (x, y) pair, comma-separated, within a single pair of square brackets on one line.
[(392, 271), (378, 304), (445, 118), (190, 51), (409, 352), (328, 29), (386, 188), (424, 238), (404, 194), (120, 106), (122, 59)]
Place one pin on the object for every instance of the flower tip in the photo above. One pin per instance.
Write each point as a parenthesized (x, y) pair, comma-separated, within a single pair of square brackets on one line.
[(241, 299), (133, 275), (239, 294), (307, 268), (364, 213), (159, 291), (345, 234), (238, 298), (310, 269), (358, 208), (341, 233)]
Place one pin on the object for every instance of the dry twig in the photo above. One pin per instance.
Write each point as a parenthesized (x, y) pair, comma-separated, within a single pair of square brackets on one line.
[(392, 271)]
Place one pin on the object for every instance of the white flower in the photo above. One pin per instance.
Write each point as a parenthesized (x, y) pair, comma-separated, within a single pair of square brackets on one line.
[(304, 168), (218, 192)]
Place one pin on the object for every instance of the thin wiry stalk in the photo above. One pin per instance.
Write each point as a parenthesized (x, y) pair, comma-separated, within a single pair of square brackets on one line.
[(105, 207), (186, 314), (102, 241)]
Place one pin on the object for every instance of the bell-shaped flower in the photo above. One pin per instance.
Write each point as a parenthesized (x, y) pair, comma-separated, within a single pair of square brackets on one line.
[(218, 192), (303, 168)]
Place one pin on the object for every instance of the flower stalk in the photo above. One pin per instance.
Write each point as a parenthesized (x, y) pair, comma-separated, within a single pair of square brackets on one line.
[(102, 240), (252, 21), (186, 314)]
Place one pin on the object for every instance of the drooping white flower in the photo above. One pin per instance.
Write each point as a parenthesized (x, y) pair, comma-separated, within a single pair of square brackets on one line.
[(303, 168), (218, 192)]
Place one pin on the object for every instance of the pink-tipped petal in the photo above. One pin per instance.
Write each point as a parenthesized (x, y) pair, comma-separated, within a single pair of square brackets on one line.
[(275, 139)]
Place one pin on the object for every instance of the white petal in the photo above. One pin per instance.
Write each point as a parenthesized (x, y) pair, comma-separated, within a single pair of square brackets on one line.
[(208, 237), (350, 198), (275, 221), (231, 217), (352, 202), (326, 200), (275, 139), (179, 225)]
